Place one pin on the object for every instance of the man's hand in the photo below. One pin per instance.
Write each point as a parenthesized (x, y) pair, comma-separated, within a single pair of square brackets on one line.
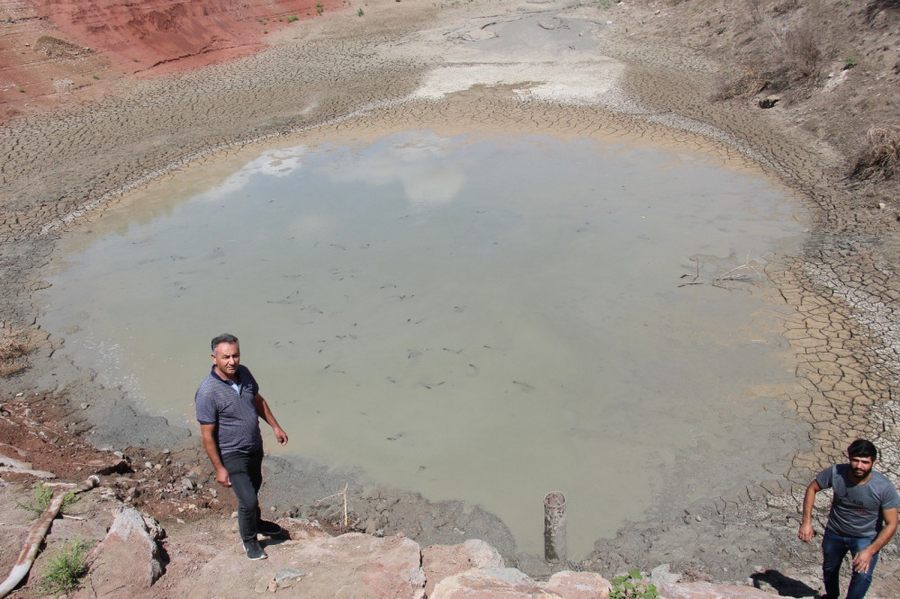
[(222, 477), (280, 435), (806, 532), (862, 560)]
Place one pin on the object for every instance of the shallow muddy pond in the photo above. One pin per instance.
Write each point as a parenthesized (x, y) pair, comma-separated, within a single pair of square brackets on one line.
[(474, 318)]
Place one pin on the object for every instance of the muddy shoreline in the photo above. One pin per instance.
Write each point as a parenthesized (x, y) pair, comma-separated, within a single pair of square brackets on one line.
[(66, 168)]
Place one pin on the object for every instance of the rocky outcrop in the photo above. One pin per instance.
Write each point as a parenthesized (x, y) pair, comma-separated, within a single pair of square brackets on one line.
[(443, 561), (509, 583), (707, 590), (313, 564), (129, 559)]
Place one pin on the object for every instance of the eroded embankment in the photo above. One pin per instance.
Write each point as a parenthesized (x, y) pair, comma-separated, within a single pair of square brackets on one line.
[(54, 53), (843, 331)]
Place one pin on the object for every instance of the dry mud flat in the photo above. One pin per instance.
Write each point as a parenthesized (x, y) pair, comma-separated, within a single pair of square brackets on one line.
[(477, 67)]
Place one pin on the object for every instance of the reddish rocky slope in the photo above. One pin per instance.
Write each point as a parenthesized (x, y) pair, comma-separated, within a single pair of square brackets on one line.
[(52, 48)]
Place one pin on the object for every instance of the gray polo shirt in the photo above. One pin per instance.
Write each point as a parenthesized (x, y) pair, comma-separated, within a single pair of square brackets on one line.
[(856, 508), (229, 405)]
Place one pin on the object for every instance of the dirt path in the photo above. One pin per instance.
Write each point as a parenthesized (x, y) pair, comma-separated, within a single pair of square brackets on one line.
[(349, 75)]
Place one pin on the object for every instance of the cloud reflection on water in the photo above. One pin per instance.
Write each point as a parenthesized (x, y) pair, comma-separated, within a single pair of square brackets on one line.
[(422, 166)]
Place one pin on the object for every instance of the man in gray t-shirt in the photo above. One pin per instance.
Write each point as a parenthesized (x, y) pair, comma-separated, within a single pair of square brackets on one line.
[(862, 520), (229, 407)]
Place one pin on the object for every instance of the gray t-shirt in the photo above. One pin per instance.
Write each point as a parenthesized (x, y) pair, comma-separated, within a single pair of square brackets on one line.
[(229, 405), (856, 509)]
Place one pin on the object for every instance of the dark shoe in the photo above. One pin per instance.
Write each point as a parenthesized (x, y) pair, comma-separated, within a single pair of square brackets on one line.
[(254, 550), (270, 529)]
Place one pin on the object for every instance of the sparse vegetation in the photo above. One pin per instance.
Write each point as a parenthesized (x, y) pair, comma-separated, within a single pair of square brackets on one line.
[(12, 352), (632, 586), (748, 83), (360, 13), (319, 8), (786, 7), (881, 157), (293, 18), (604, 4), (43, 495), (65, 569), (755, 12), (801, 51), (795, 66), (850, 63)]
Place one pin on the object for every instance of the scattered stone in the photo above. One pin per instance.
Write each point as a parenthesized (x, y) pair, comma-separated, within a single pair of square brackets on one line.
[(105, 468), (287, 576)]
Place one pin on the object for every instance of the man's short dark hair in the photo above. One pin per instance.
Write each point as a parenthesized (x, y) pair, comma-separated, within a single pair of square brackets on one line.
[(861, 448), (223, 338)]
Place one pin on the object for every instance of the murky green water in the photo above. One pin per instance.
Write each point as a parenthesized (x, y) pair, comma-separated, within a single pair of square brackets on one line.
[(477, 319)]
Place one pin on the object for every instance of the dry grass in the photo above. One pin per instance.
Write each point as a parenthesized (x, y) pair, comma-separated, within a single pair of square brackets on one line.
[(881, 157), (744, 85), (15, 345), (793, 64), (786, 7), (876, 6), (801, 51), (755, 10)]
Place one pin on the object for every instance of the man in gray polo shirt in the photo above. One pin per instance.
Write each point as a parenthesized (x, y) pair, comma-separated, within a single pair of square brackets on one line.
[(229, 407), (862, 520)]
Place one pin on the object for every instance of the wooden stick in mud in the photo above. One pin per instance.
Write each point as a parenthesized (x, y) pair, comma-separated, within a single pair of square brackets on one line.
[(340, 494), (37, 534)]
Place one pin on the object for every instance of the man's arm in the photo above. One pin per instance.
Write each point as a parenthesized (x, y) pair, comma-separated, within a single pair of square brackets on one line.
[(262, 408), (863, 559), (208, 436), (809, 501)]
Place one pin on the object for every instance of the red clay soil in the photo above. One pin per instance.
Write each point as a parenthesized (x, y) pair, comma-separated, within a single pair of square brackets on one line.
[(50, 49)]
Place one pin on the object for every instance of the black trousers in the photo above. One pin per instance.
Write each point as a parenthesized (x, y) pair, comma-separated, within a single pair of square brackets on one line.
[(245, 473)]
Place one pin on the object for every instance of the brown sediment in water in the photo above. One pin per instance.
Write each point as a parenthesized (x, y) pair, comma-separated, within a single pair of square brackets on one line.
[(843, 291)]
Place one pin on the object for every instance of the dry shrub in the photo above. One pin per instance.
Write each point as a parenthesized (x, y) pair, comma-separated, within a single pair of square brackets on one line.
[(14, 349), (801, 51), (882, 154), (748, 83), (874, 7), (755, 12), (786, 7)]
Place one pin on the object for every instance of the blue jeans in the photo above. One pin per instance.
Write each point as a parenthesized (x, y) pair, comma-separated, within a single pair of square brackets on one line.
[(834, 548)]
